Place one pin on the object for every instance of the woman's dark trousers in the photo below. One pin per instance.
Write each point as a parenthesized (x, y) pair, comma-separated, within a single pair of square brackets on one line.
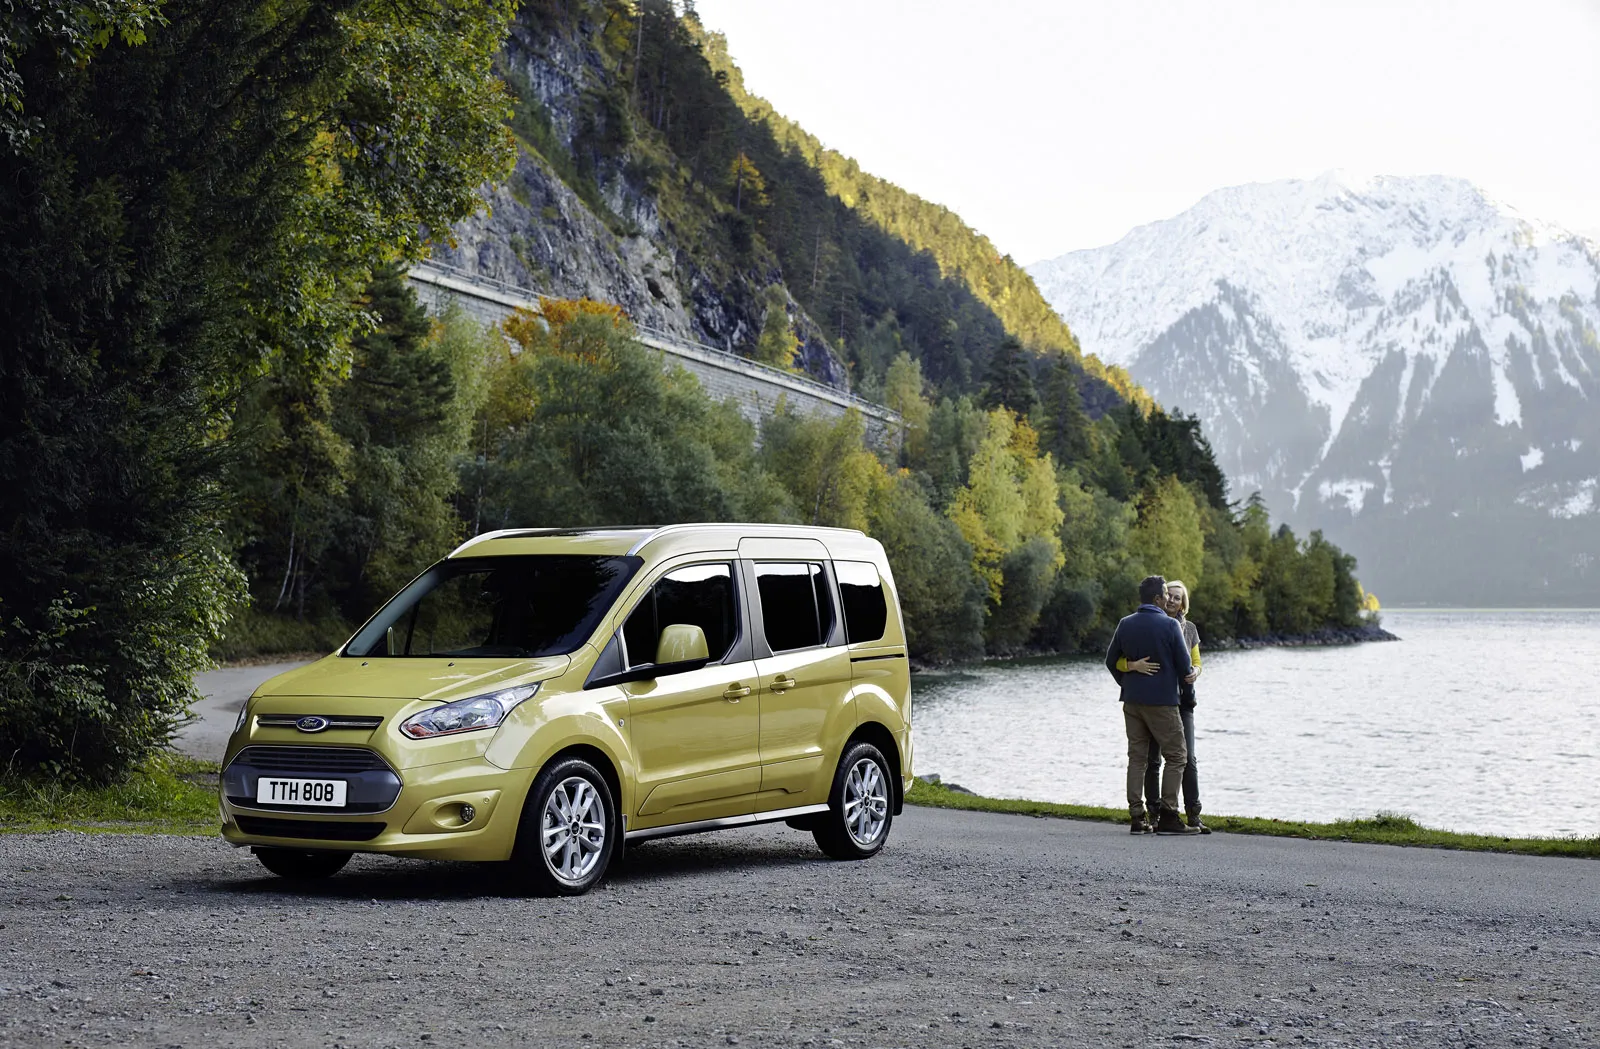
[(1191, 781)]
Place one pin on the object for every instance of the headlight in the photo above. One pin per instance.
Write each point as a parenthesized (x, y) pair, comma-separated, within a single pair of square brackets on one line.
[(244, 715), (465, 715)]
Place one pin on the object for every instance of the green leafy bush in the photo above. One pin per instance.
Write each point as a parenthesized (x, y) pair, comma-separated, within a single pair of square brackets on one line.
[(95, 689)]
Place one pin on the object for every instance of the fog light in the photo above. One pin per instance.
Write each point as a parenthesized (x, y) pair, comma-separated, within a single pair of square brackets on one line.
[(468, 813)]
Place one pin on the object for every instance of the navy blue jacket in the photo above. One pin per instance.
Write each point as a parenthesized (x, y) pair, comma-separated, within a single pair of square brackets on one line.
[(1151, 633)]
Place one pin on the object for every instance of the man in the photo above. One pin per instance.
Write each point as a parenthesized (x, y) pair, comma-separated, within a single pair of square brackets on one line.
[(1150, 703)]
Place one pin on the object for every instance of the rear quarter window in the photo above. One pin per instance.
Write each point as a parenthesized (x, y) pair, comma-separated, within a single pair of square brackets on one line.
[(866, 609)]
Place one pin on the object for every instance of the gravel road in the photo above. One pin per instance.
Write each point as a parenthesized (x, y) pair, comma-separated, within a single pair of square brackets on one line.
[(968, 930)]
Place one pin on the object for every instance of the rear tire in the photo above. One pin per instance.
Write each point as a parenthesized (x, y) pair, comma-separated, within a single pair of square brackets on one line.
[(860, 806), (569, 831), (301, 864)]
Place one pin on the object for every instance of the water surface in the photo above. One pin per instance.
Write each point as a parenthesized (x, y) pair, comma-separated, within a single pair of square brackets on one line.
[(1479, 721)]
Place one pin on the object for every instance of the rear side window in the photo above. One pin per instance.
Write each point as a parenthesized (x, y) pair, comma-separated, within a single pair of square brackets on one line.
[(866, 610), (796, 605), (699, 595)]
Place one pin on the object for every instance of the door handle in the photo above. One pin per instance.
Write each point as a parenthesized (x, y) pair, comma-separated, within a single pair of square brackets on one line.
[(783, 682), (735, 692)]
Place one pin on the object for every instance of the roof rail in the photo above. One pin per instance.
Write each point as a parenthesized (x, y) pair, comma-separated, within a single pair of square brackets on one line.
[(744, 526), (656, 532), (513, 533)]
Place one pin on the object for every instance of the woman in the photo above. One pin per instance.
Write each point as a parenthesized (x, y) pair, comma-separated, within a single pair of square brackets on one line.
[(1177, 606)]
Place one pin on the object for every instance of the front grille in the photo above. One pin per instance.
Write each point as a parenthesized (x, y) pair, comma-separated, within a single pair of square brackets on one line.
[(266, 827), (372, 786), (319, 760), (333, 720)]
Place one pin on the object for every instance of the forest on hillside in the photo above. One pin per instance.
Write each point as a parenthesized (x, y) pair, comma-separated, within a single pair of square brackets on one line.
[(226, 426), (1013, 521)]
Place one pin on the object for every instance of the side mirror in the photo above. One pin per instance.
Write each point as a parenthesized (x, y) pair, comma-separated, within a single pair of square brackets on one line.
[(680, 643), (681, 648)]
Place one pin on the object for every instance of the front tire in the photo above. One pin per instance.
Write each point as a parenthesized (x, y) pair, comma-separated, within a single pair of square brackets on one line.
[(860, 806), (569, 830), (302, 864)]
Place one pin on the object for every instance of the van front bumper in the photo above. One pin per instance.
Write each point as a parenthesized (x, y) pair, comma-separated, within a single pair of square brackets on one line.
[(424, 817)]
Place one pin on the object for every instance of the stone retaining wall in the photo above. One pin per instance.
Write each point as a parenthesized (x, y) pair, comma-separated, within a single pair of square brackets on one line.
[(755, 387)]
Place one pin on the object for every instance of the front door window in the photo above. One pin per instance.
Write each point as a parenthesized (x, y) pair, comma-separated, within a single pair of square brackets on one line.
[(699, 595)]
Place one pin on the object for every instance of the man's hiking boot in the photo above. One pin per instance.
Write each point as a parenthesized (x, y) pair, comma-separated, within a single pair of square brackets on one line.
[(1194, 821), (1139, 826), (1171, 823)]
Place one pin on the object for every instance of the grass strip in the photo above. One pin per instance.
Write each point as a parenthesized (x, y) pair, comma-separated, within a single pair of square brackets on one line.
[(1386, 828), (174, 794), (169, 794)]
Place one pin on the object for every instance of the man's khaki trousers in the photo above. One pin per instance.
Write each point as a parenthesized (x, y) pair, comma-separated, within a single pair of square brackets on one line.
[(1161, 727)]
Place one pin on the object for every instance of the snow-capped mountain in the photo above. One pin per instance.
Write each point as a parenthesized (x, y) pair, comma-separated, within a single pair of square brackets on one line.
[(1402, 362)]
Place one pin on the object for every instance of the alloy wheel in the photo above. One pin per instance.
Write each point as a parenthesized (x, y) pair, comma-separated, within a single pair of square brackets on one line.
[(573, 832), (866, 802)]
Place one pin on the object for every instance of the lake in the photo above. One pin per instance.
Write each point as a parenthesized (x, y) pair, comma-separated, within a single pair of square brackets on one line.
[(1480, 721)]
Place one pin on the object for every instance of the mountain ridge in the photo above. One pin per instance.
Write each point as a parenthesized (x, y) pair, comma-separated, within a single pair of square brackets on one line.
[(961, 251), (1384, 357)]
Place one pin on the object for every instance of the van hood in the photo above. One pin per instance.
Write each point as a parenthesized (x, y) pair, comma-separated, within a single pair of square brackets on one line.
[(407, 678)]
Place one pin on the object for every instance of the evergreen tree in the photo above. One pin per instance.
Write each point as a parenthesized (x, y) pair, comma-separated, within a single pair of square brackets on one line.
[(1008, 383), (749, 188), (1065, 430), (955, 429), (339, 488)]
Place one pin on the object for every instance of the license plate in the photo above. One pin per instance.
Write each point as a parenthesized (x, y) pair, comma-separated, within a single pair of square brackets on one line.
[(328, 793)]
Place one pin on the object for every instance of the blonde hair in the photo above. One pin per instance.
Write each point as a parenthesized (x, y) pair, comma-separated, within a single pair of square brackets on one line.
[(1183, 592)]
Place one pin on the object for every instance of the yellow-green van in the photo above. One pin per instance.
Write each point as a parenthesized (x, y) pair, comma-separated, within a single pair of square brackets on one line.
[(545, 696)]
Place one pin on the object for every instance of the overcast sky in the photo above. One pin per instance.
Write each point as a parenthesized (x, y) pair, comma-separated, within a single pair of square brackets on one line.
[(1052, 125)]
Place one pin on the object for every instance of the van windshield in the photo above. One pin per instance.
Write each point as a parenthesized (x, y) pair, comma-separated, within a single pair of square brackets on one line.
[(519, 607)]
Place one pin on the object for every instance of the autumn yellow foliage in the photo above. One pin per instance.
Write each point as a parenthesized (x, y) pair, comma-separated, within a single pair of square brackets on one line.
[(543, 331)]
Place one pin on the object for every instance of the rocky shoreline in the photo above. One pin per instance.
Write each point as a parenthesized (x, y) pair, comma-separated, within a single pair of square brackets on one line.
[(1341, 636), (1346, 636)]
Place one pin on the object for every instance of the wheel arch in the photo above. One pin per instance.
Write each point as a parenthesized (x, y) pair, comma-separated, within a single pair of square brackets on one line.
[(607, 769), (878, 735), (596, 757), (520, 849)]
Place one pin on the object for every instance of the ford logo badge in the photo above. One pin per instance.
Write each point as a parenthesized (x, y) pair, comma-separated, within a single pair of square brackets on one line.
[(311, 723)]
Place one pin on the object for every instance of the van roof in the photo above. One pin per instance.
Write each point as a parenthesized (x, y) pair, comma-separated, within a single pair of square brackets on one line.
[(613, 540)]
